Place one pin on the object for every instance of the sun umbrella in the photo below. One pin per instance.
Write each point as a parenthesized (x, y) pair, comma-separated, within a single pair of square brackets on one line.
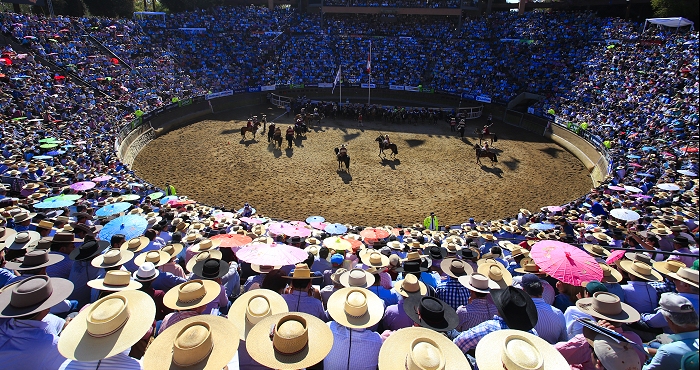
[(112, 209), (616, 188), (234, 241), (55, 152), (48, 146), (336, 229), (640, 196), (615, 256), (83, 185), (167, 199), (130, 197), (372, 234), (356, 244), (284, 228), (71, 197), (42, 157), (690, 149), (252, 210), (633, 189), (131, 226), (319, 225), (136, 184), (635, 164), (337, 243), (102, 178), (542, 226), (68, 146), (633, 156), (554, 208), (668, 186), (644, 174), (155, 195), (687, 173), (221, 215), (311, 219), (565, 262), (54, 204), (625, 214), (271, 254), (252, 220)]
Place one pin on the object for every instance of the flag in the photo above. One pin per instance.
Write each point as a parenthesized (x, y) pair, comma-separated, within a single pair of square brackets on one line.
[(336, 81), (369, 58)]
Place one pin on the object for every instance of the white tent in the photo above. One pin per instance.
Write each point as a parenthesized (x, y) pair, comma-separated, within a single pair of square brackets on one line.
[(674, 22)]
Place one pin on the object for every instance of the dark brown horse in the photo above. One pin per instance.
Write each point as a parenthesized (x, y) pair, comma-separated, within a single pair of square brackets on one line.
[(277, 139), (484, 153), (253, 130), (482, 136), (343, 159), (394, 149)]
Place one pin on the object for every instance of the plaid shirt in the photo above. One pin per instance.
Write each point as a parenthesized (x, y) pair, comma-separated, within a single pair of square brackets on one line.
[(665, 286), (453, 293), (468, 340), (474, 313)]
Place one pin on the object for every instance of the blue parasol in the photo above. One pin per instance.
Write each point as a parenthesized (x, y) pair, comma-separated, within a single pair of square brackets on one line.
[(164, 200), (542, 226), (131, 226), (55, 152), (633, 156), (336, 229), (315, 219), (42, 157), (644, 174), (112, 209), (57, 203), (648, 148)]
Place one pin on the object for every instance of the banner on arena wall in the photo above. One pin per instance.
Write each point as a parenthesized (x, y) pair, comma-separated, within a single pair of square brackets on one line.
[(311, 85), (325, 85), (171, 106), (254, 89), (184, 102), (268, 88), (396, 87), (219, 94), (296, 86), (370, 86), (412, 88), (468, 96), (427, 90), (136, 123), (239, 91), (483, 98), (26, 2)]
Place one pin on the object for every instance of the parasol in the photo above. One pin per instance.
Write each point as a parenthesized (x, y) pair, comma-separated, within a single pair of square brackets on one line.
[(565, 262), (131, 226), (102, 178), (83, 185), (54, 204), (542, 226), (311, 219), (112, 209), (337, 243), (234, 241), (625, 214), (336, 229), (271, 254), (668, 186)]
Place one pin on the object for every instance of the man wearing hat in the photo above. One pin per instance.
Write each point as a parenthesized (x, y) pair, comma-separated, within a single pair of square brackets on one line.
[(187, 300), (479, 308), (395, 316), (686, 283), (337, 260), (680, 245), (451, 290), (300, 298), (83, 271), (638, 292), (551, 325), (572, 313), (516, 310), (213, 269), (26, 341), (683, 321)]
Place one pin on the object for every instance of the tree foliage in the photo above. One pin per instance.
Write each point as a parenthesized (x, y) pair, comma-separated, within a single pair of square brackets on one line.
[(111, 8), (677, 8), (74, 8), (182, 5)]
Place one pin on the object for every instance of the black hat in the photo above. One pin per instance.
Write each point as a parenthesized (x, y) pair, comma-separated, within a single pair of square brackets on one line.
[(431, 313), (79, 215), (210, 268), (437, 253), (680, 239), (378, 244), (468, 253), (411, 266), (88, 250), (515, 307)]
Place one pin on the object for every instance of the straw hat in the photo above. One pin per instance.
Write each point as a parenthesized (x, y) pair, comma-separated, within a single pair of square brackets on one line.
[(191, 294), (610, 275), (6, 233), (112, 258), (202, 342), (35, 259), (301, 272), (607, 306), (108, 327), (410, 285), (515, 349), (289, 341), (667, 267), (136, 244), (32, 295), (357, 278), (356, 308), (374, 259), (156, 257), (115, 280), (205, 245), (22, 240), (173, 249), (202, 256), (596, 250), (431, 313), (263, 269), (420, 348), (488, 236), (640, 270), (476, 282), (253, 306), (499, 276), (455, 268), (686, 275), (530, 268)]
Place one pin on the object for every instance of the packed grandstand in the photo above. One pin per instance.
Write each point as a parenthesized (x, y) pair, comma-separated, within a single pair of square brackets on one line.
[(70, 87)]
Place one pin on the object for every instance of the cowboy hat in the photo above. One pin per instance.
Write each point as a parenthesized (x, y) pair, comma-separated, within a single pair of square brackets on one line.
[(666, 267), (32, 295), (115, 280), (108, 327), (411, 267), (88, 250), (596, 250), (610, 275), (201, 256), (205, 245), (156, 257), (146, 272), (263, 269), (515, 307), (530, 268), (210, 268), (607, 306), (431, 313), (136, 244), (640, 270), (253, 306), (301, 271), (357, 278), (455, 268), (289, 341), (476, 282), (374, 259), (112, 258), (6, 233), (22, 240), (515, 349), (409, 286), (35, 259), (191, 294), (421, 348), (356, 308), (202, 342), (499, 276), (173, 249), (686, 275)]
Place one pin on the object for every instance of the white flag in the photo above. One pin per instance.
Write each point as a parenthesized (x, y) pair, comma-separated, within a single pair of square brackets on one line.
[(336, 81)]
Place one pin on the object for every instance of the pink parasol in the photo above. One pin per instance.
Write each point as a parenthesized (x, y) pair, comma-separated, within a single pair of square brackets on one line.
[(636, 165), (319, 225), (180, 202), (554, 208), (102, 178), (356, 244), (233, 241), (221, 215), (298, 223), (284, 228), (371, 235), (565, 262), (83, 185), (615, 256), (616, 188), (271, 254), (252, 220)]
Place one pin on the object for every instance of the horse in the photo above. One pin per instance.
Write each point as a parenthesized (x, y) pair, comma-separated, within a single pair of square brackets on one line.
[(342, 159), (392, 146), (290, 139), (300, 129), (277, 139), (484, 153), (254, 130), (482, 136), (318, 117), (271, 131)]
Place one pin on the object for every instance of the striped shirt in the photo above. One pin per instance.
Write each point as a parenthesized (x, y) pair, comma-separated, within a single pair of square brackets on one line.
[(474, 313), (468, 340), (453, 293), (551, 324)]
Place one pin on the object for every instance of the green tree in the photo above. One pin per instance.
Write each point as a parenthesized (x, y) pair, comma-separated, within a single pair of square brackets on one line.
[(74, 8), (677, 8), (111, 8), (182, 5)]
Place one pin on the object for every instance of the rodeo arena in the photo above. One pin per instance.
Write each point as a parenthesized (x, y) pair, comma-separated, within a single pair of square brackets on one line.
[(349, 185)]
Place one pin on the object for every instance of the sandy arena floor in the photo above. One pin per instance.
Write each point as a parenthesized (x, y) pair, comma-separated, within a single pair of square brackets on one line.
[(434, 171)]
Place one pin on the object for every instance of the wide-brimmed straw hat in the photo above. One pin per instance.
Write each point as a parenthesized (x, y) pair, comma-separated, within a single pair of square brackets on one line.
[(596, 250), (289, 341), (112, 258), (22, 240), (515, 307), (515, 349), (686, 275), (251, 307), (115, 280), (136, 244), (375, 259), (476, 282), (202, 342), (108, 327), (173, 249), (455, 267), (410, 285), (357, 278), (607, 306), (33, 294), (640, 270), (202, 256), (431, 313), (530, 268), (35, 259), (499, 276), (263, 269), (205, 245), (356, 308), (610, 275), (156, 257), (421, 348), (667, 267), (191, 294)]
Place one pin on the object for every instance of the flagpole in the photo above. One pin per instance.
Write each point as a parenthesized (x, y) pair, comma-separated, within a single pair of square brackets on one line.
[(369, 85), (340, 102)]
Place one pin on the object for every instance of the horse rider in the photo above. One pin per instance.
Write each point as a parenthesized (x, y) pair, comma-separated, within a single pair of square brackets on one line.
[(290, 131), (386, 141), (485, 148), (271, 131), (485, 130), (249, 125), (278, 131), (343, 152)]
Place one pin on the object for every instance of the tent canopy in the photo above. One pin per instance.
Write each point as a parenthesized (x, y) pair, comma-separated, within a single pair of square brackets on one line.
[(671, 22)]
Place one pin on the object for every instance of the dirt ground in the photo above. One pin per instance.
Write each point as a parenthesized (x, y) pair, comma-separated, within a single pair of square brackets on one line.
[(434, 171)]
